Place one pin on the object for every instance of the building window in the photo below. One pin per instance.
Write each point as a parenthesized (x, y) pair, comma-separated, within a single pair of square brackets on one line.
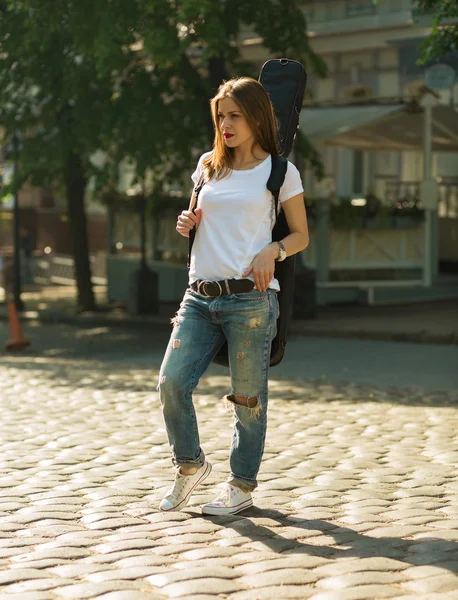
[(357, 9)]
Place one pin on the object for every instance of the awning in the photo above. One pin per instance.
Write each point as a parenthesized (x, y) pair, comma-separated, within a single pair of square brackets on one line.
[(380, 127)]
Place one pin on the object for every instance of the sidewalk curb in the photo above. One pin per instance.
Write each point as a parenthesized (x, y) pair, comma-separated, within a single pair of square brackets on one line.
[(297, 328)]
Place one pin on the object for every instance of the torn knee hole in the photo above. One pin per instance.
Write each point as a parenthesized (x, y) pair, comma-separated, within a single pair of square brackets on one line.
[(176, 344), (250, 402)]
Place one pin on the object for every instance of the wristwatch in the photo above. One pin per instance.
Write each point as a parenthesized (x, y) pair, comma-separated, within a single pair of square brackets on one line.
[(281, 252)]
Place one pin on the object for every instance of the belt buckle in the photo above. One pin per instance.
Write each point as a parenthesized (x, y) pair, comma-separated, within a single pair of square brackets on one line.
[(201, 288)]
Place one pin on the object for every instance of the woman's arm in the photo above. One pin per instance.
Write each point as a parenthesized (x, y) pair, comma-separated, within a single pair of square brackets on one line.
[(296, 217), (263, 265), (188, 219)]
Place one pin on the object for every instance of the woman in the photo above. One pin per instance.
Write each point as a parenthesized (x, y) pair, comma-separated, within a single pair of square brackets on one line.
[(232, 292)]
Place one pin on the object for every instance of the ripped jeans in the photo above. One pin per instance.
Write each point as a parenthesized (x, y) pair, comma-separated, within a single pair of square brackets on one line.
[(248, 322)]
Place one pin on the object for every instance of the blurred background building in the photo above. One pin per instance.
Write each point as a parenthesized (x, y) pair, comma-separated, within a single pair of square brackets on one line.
[(369, 234)]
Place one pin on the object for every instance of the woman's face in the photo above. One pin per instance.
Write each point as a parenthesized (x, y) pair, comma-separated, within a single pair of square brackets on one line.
[(233, 125)]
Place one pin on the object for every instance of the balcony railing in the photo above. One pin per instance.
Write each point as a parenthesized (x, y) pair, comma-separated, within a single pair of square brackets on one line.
[(409, 192), (349, 14)]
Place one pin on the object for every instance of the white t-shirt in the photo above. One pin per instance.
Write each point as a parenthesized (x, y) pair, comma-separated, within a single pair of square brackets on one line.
[(237, 220)]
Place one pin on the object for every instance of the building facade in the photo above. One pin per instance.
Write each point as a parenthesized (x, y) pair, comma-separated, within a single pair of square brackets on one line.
[(371, 51)]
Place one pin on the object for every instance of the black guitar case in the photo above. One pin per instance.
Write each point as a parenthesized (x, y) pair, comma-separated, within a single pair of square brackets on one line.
[(285, 82)]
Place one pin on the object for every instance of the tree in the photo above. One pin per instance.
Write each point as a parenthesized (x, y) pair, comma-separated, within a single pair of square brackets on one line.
[(443, 39), (182, 50), (132, 79), (54, 98)]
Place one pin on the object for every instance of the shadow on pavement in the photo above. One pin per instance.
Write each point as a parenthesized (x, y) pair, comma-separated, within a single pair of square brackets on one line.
[(103, 373), (442, 553)]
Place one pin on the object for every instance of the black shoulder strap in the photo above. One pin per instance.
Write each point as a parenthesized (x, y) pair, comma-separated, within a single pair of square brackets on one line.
[(277, 177), (192, 206)]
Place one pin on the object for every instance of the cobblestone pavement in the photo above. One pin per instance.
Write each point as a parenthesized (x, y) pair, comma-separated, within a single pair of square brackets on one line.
[(358, 495)]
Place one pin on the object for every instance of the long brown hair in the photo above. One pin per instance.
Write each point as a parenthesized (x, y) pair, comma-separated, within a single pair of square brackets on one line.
[(256, 107)]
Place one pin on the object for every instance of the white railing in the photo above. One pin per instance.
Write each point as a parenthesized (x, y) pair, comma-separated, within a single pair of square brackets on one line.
[(396, 191), (59, 269)]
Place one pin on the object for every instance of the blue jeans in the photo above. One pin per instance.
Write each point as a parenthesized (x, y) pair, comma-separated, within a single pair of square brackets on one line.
[(248, 322)]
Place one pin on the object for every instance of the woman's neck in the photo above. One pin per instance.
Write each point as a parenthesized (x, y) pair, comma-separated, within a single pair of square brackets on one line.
[(249, 156)]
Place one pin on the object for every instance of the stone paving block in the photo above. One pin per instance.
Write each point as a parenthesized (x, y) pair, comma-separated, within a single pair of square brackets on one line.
[(9, 552), (14, 575), (35, 595), (192, 573), (52, 531), (165, 517), (355, 565), (126, 573), (8, 527), (132, 595), (131, 544), (233, 541), (209, 585), (442, 524), (146, 560), (174, 549), (282, 562), (196, 554), (271, 545), (421, 571), (108, 524), (361, 592), (275, 593), (66, 552), (113, 557), (46, 563), (198, 597), (78, 569), (434, 545), (37, 585), (280, 577), (81, 591), (396, 531), (430, 596), (348, 580), (431, 557), (187, 538), (193, 527), (226, 561), (435, 583)]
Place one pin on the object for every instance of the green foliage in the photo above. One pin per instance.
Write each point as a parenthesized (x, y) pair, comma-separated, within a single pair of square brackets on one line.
[(132, 79), (443, 39)]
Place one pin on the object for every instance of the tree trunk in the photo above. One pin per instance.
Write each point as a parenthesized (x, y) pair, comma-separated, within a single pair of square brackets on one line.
[(201, 92), (217, 72), (75, 184)]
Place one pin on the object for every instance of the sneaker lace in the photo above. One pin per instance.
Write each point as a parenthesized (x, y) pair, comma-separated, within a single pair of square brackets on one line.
[(224, 496), (177, 487)]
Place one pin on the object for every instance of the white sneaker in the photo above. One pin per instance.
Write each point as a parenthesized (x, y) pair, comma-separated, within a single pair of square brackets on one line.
[(180, 493), (232, 500)]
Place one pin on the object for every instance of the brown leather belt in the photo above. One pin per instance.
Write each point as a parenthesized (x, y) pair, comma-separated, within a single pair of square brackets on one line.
[(213, 289)]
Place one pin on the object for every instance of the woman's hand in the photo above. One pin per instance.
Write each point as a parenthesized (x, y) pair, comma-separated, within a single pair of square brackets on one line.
[(187, 221), (263, 266)]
